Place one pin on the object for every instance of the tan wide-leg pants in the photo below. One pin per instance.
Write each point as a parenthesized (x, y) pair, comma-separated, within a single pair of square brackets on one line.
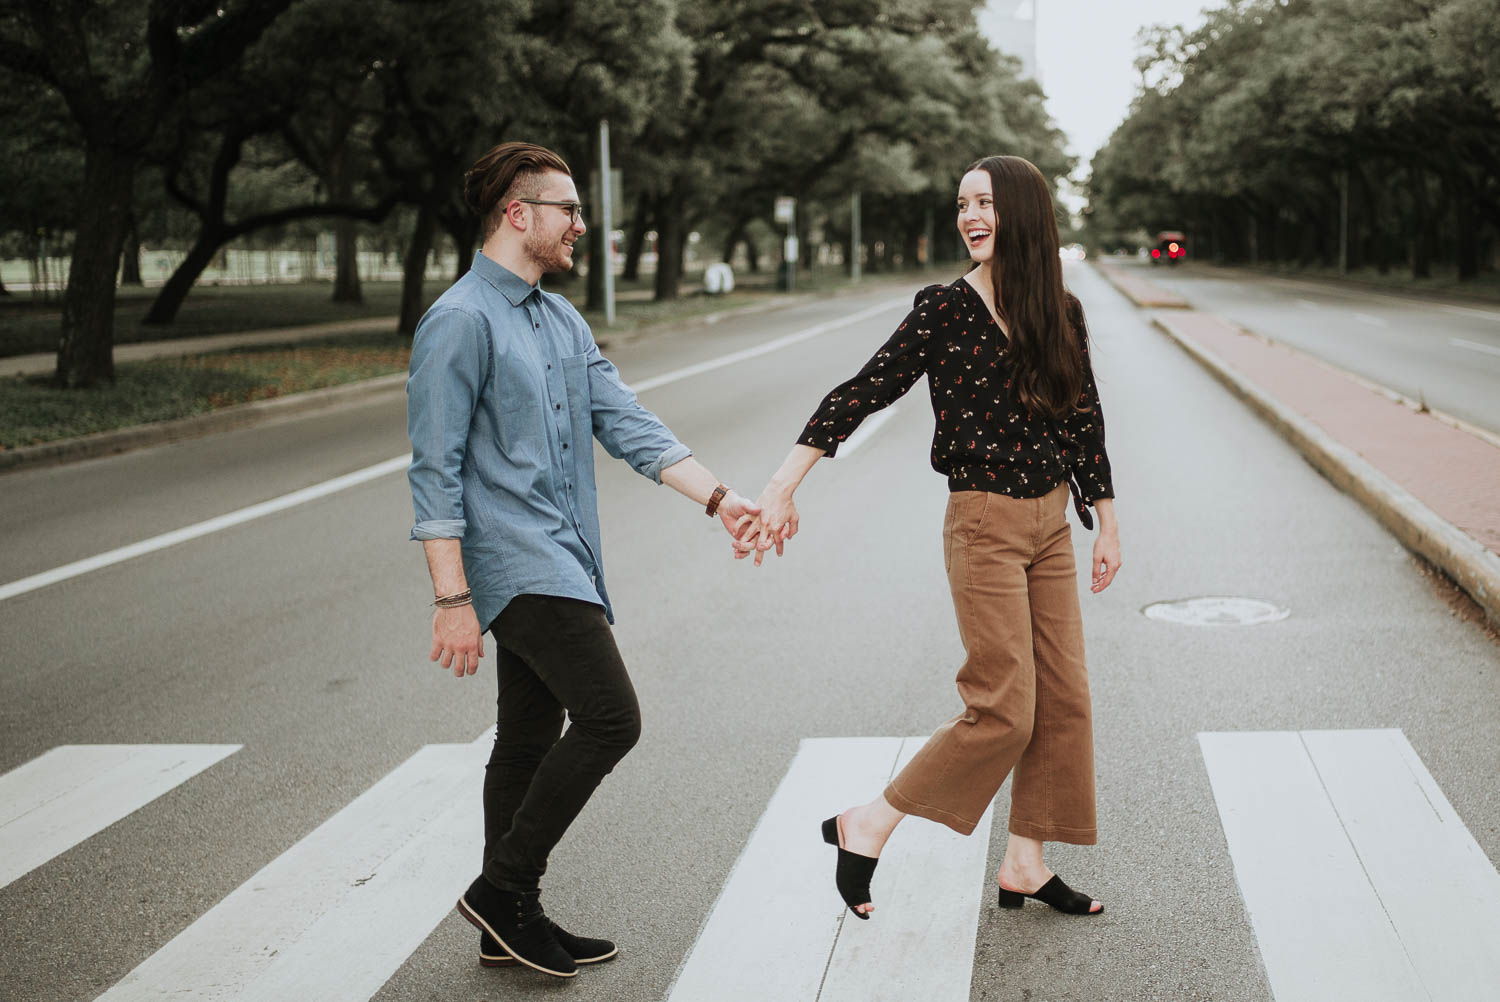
[(1024, 682)]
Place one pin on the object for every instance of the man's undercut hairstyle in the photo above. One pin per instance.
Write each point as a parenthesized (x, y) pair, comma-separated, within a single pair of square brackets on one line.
[(507, 172)]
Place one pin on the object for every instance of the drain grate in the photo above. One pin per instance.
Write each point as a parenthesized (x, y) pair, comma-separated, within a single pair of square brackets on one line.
[(1216, 610)]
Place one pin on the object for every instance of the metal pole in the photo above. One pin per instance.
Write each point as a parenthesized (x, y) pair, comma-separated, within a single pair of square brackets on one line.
[(607, 224), (855, 238)]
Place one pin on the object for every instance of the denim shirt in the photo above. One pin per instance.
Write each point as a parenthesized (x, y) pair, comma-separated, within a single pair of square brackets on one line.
[(506, 391)]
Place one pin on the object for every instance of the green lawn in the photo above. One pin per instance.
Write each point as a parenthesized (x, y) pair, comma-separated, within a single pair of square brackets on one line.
[(28, 326), (32, 412)]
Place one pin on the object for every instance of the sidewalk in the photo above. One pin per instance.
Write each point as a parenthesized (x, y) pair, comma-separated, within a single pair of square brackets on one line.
[(46, 362), (1434, 482)]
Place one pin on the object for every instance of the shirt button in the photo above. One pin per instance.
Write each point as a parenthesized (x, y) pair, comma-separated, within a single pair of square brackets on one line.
[(565, 445), (557, 406)]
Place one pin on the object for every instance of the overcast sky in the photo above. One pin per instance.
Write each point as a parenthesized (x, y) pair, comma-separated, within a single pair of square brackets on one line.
[(1085, 51)]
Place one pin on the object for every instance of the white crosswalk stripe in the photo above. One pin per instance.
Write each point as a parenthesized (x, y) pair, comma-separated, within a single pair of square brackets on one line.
[(1360, 880), (779, 929), (73, 792), (337, 914)]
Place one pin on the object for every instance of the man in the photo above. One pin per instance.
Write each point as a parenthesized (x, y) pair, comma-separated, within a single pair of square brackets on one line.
[(507, 389)]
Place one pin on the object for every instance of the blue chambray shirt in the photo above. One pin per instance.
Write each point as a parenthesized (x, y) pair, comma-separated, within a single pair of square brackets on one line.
[(506, 392)]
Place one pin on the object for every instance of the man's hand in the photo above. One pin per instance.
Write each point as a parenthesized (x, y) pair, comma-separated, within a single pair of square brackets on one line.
[(737, 513), (456, 640)]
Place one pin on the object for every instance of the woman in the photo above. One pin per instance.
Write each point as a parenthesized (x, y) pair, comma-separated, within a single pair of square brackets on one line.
[(1018, 424)]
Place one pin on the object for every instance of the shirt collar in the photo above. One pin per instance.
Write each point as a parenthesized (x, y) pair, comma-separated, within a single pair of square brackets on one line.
[(510, 285)]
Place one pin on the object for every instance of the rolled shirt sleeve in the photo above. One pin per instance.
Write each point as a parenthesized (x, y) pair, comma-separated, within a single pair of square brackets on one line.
[(450, 362), (627, 430)]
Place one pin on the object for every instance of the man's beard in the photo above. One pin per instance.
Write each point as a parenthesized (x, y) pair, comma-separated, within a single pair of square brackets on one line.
[(546, 253)]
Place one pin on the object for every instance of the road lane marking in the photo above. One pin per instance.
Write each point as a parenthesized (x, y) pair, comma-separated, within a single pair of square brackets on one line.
[(779, 929), (198, 529), (337, 914), (776, 344), (322, 490), (73, 792), (1459, 342), (1371, 319), (1360, 880), (867, 430), (1308, 304)]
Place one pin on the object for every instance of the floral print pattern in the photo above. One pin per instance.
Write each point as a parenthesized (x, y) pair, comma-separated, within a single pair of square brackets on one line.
[(985, 439)]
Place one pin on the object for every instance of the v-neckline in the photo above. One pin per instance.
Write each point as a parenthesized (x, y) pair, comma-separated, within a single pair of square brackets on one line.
[(974, 291)]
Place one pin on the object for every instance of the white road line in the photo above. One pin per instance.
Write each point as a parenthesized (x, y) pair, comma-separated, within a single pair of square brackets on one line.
[(1308, 304), (1360, 880), (1459, 342), (866, 431), (775, 344), (73, 792), (337, 484), (334, 916), (186, 533), (779, 929), (1371, 319)]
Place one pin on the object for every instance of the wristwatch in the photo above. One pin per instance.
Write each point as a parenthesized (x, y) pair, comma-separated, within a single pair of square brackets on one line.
[(715, 498)]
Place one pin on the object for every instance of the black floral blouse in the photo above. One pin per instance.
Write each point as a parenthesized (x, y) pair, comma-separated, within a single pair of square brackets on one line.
[(985, 438)]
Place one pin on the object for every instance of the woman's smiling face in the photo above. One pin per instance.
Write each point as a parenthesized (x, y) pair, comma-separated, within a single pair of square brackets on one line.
[(976, 214)]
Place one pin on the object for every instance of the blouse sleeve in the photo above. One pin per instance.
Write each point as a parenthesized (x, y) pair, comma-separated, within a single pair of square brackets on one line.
[(1087, 458), (888, 374)]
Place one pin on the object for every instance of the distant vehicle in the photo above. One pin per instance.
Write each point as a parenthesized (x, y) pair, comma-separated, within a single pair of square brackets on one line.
[(1171, 247)]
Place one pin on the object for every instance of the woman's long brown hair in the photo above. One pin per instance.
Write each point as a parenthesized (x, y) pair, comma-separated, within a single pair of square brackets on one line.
[(1026, 278)]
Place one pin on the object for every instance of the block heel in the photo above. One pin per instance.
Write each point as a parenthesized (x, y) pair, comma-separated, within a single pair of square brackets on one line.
[(852, 873)]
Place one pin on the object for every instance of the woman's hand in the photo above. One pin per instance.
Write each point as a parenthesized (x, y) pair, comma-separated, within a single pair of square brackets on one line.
[(1106, 559), (778, 516)]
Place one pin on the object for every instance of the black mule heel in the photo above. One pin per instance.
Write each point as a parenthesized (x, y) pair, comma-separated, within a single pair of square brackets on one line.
[(853, 871), (1055, 893)]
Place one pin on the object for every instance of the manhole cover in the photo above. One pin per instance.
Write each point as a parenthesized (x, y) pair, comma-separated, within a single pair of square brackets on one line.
[(1216, 610)]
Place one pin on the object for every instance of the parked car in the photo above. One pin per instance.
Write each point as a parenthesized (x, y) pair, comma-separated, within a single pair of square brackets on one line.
[(1171, 247)]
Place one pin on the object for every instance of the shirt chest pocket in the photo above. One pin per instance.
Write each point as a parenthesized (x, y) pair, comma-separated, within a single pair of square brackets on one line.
[(576, 401)]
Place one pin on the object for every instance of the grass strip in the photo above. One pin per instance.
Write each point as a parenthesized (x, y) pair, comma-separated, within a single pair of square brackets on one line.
[(33, 412)]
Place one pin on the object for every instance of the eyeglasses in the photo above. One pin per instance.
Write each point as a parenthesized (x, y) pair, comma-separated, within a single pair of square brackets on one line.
[(575, 209)]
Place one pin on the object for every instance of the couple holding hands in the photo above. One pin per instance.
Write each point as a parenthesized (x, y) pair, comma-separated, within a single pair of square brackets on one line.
[(507, 392)]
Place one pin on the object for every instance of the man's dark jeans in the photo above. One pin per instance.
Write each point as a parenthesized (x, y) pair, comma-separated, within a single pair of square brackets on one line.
[(556, 655)]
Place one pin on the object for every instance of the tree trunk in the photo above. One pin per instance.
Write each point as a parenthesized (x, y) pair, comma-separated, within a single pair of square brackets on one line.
[(346, 287), (130, 258), (752, 253), (175, 291), (670, 245), (1422, 242), (85, 349), (1466, 214), (635, 245), (414, 269), (3, 290)]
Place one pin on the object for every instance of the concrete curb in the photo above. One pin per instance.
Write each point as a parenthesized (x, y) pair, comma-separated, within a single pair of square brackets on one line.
[(1475, 569), (140, 436), (1132, 289)]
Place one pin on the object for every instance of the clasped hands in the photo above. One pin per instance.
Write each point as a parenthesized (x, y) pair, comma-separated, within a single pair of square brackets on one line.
[(759, 527)]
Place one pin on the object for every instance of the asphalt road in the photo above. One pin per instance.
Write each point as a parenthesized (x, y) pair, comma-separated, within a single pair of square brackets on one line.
[(303, 637), (1446, 352)]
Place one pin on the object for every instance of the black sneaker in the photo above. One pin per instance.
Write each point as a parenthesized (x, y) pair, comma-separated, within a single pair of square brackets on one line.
[(582, 949), (518, 925)]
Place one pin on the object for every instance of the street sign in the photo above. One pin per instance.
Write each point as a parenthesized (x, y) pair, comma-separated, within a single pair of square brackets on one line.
[(790, 249), (786, 209)]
